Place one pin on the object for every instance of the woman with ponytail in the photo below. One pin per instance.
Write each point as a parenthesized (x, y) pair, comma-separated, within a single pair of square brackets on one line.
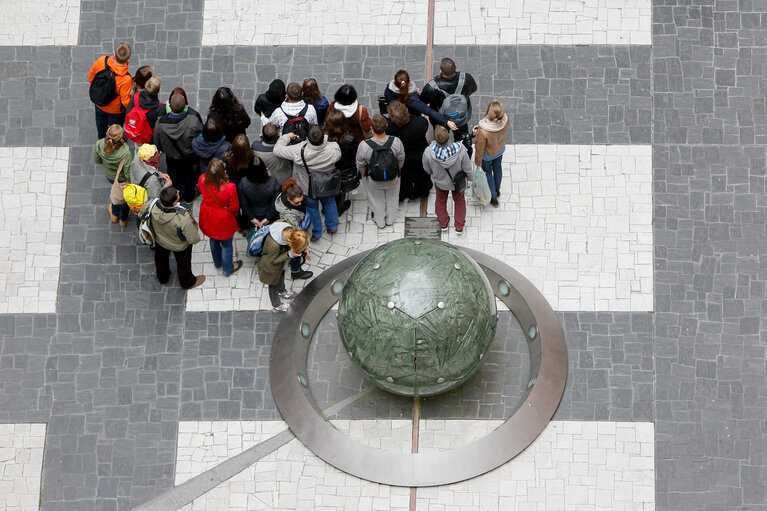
[(113, 154), (403, 90), (491, 142)]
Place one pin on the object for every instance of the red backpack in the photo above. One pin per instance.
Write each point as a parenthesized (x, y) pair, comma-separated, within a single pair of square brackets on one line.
[(137, 126)]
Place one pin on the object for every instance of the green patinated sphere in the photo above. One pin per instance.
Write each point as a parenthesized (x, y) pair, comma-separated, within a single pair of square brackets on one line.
[(417, 316)]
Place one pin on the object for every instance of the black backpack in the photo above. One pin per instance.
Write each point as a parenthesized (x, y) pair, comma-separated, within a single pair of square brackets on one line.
[(103, 88), (296, 124), (383, 164)]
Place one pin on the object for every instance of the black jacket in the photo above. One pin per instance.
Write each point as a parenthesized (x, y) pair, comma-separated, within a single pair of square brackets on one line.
[(257, 201), (238, 125), (412, 135), (434, 98), (152, 103)]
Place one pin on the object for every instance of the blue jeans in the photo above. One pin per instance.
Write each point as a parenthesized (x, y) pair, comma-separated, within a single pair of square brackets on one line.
[(331, 214), (221, 250), (105, 120), (493, 172)]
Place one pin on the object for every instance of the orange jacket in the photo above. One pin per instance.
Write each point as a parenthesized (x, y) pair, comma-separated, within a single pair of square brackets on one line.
[(123, 80)]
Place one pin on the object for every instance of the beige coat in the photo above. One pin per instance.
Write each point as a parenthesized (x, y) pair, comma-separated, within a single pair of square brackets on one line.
[(488, 142)]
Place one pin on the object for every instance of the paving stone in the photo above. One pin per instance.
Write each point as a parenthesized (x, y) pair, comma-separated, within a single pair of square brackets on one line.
[(41, 23)]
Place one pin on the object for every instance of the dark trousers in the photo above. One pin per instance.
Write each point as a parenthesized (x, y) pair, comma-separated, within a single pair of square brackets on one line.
[(183, 265), (184, 173), (105, 120), (274, 291), (466, 140)]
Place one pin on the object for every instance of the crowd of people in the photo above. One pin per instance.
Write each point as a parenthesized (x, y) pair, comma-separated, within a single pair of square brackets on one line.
[(296, 177)]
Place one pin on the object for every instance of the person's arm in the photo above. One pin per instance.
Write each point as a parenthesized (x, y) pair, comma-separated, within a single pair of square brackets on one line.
[(282, 149), (125, 95), (96, 156), (480, 142), (365, 123), (311, 116), (399, 151), (190, 230), (92, 72), (425, 161), (234, 201), (244, 119), (470, 86), (414, 102), (361, 160)]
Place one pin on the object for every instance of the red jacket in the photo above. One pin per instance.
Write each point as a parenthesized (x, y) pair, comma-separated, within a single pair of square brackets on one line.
[(218, 221)]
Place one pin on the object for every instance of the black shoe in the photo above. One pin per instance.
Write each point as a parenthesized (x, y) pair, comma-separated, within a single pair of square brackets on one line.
[(494, 203), (303, 274), (343, 207)]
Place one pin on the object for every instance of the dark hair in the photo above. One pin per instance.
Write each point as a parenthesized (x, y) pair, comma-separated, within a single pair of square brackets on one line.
[(398, 113), (311, 91), (177, 103), (447, 67), (294, 91), (292, 189), (241, 154), (168, 196), (143, 74), (315, 135), (336, 126), (178, 90), (441, 135), (212, 131), (225, 103), (402, 81), (346, 94), (270, 132), (215, 174), (379, 124), (256, 172)]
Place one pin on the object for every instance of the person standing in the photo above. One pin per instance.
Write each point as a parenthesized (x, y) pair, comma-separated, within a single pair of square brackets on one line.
[(279, 168), (218, 215), (411, 130), (346, 101), (211, 143), (441, 87), (445, 162), (270, 100), (174, 231), (146, 171), (112, 102), (293, 108), (403, 90), (281, 244), (114, 156), (313, 96), (291, 209), (229, 112), (491, 134), (379, 161), (257, 191)]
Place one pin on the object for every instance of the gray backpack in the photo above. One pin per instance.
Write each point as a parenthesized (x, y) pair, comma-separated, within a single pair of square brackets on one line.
[(455, 107)]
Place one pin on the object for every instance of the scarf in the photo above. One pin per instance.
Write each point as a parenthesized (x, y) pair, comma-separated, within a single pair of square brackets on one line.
[(347, 110), (493, 126), (301, 207), (411, 89), (442, 153)]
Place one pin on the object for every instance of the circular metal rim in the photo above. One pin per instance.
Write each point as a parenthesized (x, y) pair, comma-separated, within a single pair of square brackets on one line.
[(288, 361)]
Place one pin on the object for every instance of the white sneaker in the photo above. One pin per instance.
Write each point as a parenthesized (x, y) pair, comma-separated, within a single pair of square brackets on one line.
[(287, 294), (283, 307)]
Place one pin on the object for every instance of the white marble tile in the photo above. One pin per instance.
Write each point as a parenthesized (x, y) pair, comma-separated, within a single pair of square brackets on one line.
[(542, 22), (576, 220), (21, 465), (41, 23), (31, 226), (313, 22)]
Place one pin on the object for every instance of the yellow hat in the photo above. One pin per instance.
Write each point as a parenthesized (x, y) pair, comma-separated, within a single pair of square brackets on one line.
[(146, 151), (135, 196)]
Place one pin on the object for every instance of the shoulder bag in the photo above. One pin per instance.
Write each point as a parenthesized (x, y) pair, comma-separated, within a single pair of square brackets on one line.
[(322, 185)]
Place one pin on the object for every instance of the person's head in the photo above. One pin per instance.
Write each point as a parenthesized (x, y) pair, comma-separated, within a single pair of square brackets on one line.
[(311, 91), (447, 67), (177, 103), (346, 95), (122, 53), (257, 173), (297, 240), (143, 74), (315, 135), (276, 91), (169, 196), (179, 90), (215, 174), (242, 153), (270, 133), (114, 138), (494, 111), (293, 192), (212, 131), (148, 153), (152, 86), (379, 124), (402, 82), (398, 113), (441, 135), (294, 92), (225, 101), (336, 126)]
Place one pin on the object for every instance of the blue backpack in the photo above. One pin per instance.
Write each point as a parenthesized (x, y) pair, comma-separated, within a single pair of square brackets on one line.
[(256, 239)]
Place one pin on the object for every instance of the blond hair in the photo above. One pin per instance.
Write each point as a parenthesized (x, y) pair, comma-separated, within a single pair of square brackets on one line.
[(494, 111), (114, 135), (152, 86), (297, 239)]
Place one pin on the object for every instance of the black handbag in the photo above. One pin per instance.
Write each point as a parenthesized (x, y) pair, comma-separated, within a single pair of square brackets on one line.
[(350, 180), (322, 185), (459, 180)]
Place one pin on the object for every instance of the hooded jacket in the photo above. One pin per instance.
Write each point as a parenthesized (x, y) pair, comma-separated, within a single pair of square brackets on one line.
[(321, 158), (270, 100), (279, 118), (438, 160), (152, 103), (174, 228), (218, 219), (279, 168), (154, 184), (174, 135), (111, 162), (209, 150), (357, 117), (123, 81), (293, 215), (435, 98), (414, 103)]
